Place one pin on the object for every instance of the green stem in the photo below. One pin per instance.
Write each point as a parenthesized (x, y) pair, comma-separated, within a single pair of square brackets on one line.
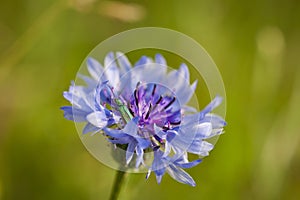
[(119, 179)]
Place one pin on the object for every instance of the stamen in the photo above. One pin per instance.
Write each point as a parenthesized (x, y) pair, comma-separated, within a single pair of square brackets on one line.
[(153, 91), (156, 104), (136, 94), (170, 103), (175, 123), (137, 84), (155, 142), (156, 148), (136, 99), (132, 113), (158, 138), (148, 112), (159, 100)]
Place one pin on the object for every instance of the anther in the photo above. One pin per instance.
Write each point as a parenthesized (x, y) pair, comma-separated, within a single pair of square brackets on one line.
[(170, 103)]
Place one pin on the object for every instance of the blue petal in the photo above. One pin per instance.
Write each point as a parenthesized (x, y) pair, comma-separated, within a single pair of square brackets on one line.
[(189, 164), (167, 149), (111, 72), (97, 119), (180, 175), (204, 130), (189, 109), (73, 99), (142, 61), (185, 71), (90, 128), (192, 119), (159, 132), (123, 61), (158, 164), (193, 88), (116, 133), (109, 60), (182, 141), (216, 131), (160, 59), (197, 129), (139, 154), (171, 134), (143, 143), (131, 127), (121, 140), (95, 68), (68, 96), (177, 82), (79, 97), (103, 94), (146, 73), (186, 92), (125, 88), (91, 83), (213, 104), (200, 147), (74, 114), (215, 120), (130, 150), (158, 178)]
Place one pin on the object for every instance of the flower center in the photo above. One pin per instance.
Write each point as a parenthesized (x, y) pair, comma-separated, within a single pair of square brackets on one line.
[(155, 104)]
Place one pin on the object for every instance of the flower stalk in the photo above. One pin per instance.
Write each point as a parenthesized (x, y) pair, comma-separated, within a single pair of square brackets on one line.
[(119, 180)]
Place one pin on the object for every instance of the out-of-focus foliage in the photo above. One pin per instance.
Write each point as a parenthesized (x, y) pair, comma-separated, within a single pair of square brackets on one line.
[(255, 44)]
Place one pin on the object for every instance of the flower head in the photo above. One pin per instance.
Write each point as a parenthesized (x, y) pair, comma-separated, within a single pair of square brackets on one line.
[(142, 108)]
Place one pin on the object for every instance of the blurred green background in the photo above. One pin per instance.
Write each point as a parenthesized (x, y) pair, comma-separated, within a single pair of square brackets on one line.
[(255, 44)]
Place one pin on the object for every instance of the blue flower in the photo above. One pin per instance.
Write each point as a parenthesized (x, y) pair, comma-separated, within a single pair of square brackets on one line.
[(173, 166), (143, 109)]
